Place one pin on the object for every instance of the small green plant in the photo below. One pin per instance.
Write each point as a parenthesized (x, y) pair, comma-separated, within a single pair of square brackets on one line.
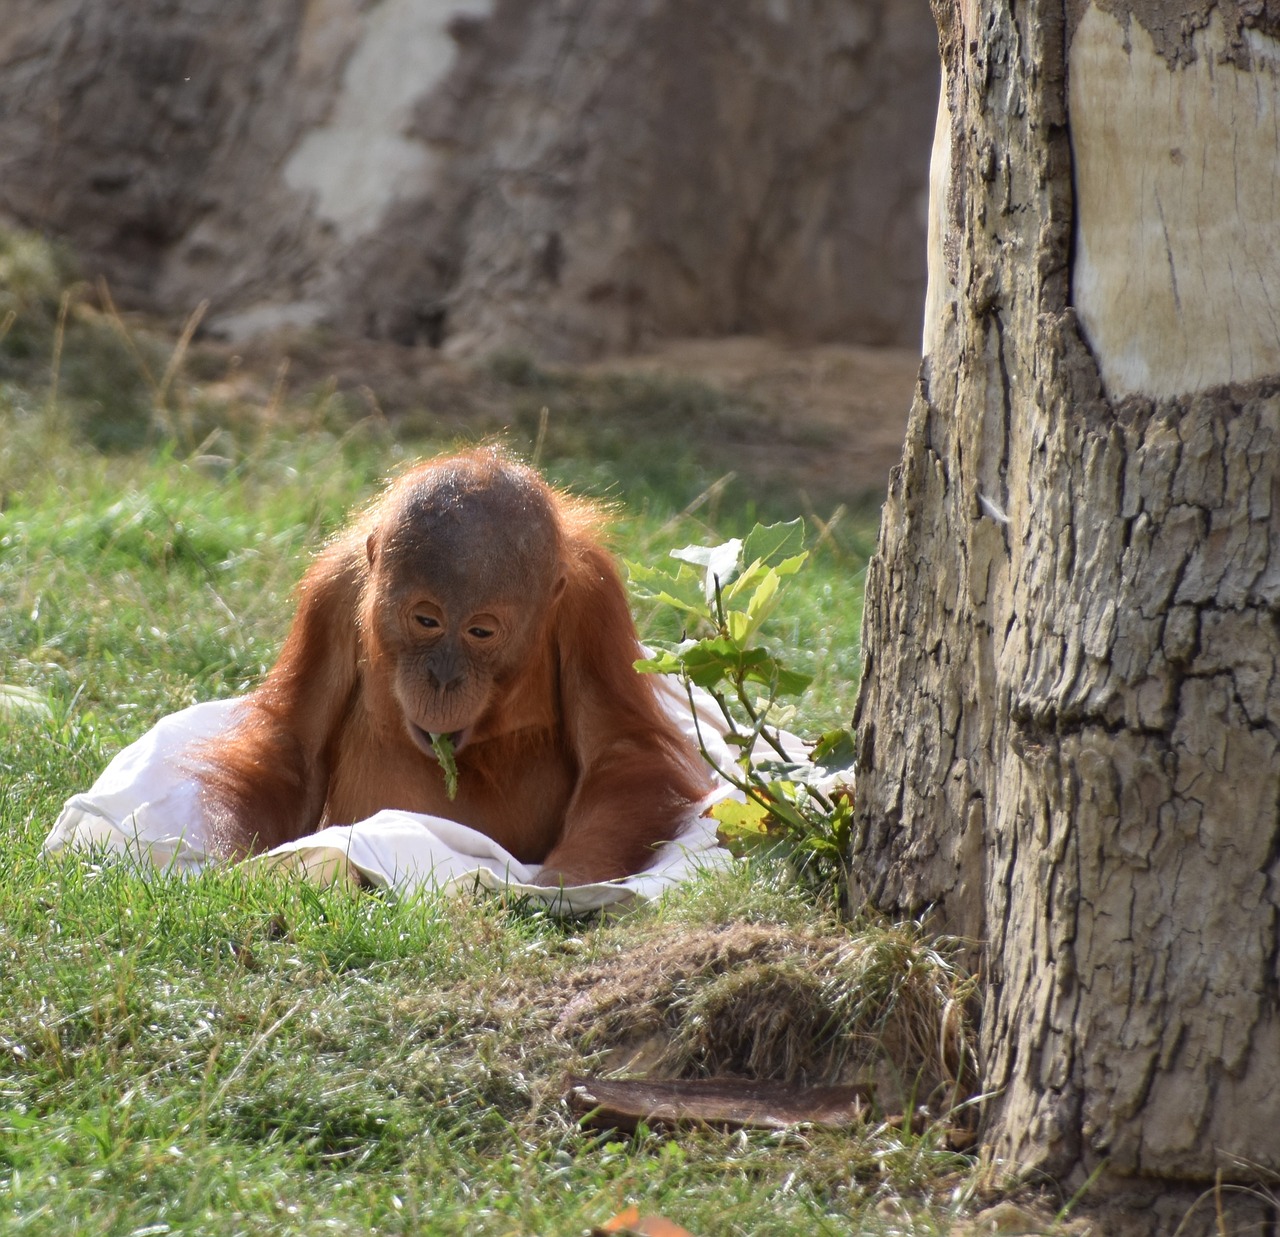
[(724, 595)]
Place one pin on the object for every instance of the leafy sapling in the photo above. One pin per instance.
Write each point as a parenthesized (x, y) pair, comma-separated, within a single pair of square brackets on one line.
[(724, 595)]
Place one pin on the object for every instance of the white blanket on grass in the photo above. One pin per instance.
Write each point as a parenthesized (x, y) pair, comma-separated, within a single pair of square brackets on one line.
[(146, 806)]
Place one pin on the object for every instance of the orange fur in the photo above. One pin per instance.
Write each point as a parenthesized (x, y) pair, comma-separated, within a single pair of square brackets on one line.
[(473, 599)]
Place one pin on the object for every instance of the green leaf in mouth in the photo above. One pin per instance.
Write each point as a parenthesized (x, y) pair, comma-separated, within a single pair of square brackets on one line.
[(442, 745)]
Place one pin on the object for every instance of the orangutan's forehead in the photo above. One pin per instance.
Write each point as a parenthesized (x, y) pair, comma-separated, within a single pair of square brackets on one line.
[(489, 536), (478, 487)]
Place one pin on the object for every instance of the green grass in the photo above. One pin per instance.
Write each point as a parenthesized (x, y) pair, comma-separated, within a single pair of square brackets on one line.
[(117, 562), (229, 1054), (246, 1053)]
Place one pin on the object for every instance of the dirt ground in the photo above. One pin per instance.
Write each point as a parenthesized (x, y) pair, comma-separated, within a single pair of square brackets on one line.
[(837, 420), (853, 400)]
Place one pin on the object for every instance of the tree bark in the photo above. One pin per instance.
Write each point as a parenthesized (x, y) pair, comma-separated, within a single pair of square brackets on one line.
[(1070, 715)]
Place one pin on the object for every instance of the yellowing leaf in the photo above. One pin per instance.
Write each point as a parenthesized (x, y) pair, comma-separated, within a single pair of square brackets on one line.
[(749, 817)]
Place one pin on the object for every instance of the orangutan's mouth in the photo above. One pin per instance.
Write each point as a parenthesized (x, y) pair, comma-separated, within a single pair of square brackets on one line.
[(458, 739)]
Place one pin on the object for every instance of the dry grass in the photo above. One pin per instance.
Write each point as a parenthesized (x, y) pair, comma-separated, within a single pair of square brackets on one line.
[(881, 1005)]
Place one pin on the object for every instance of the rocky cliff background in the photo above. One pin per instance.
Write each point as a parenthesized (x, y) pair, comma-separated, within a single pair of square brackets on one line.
[(570, 177)]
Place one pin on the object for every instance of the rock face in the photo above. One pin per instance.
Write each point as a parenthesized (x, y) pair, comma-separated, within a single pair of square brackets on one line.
[(569, 176)]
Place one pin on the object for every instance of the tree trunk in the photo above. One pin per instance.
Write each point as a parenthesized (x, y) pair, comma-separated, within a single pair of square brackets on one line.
[(1070, 716)]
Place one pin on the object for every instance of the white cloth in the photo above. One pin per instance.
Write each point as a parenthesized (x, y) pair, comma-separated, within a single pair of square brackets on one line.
[(146, 805)]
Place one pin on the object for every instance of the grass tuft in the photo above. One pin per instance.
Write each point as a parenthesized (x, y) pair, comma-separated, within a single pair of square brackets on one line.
[(783, 1003)]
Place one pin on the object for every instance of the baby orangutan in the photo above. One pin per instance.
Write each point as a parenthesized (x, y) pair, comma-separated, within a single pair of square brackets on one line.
[(475, 602)]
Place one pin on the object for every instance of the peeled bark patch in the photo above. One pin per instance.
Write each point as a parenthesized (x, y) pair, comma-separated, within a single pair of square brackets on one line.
[(1177, 271)]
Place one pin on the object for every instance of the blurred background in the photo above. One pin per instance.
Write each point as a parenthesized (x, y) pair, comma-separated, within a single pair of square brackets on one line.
[(383, 190)]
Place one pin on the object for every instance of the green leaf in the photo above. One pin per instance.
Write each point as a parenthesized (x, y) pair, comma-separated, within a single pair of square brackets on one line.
[(789, 566), (770, 541), (678, 603), (759, 667), (442, 745), (758, 571), (762, 604), (708, 662), (835, 749), (641, 573), (762, 599), (784, 811), (662, 662), (792, 682), (746, 579), (681, 589)]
